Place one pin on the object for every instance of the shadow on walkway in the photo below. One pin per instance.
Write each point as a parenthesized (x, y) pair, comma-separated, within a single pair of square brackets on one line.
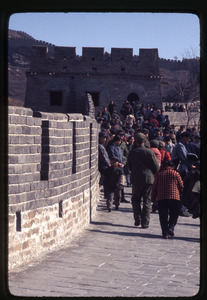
[(188, 224), (144, 235), (110, 224), (102, 207), (139, 234)]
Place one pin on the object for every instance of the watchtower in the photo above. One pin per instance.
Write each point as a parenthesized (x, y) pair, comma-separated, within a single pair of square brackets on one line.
[(63, 83)]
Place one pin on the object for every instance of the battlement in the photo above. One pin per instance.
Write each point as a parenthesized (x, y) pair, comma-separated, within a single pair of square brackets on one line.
[(176, 65), (95, 58), (93, 53)]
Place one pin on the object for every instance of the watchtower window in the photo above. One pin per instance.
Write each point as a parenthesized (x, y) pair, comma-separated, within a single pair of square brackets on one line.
[(122, 70), (93, 58), (56, 98)]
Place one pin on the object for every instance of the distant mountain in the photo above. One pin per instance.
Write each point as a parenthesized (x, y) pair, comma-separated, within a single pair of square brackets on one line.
[(19, 52)]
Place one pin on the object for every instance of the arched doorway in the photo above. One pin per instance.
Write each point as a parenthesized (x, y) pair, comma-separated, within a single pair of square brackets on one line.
[(133, 97)]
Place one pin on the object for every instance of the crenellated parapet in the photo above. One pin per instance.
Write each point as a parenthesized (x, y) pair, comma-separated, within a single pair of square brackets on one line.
[(94, 59), (53, 180)]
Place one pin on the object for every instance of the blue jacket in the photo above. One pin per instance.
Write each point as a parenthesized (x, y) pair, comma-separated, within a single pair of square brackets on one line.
[(114, 150), (181, 153)]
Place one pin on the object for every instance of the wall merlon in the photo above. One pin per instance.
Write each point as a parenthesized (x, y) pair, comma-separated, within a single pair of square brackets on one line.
[(92, 54), (121, 54), (63, 54)]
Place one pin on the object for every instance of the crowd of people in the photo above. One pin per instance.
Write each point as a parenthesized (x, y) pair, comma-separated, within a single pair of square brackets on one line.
[(182, 107), (139, 146)]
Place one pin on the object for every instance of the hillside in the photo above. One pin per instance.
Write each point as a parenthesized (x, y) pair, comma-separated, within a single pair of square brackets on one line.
[(19, 51)]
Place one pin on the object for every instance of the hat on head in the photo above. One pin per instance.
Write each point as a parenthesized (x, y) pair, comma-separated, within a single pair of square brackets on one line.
[(145, 131), (103, 134), (132, 130), (113, 131), (100, 119), (117, 138), (170, 163), (185, 133), (192, 157), (154, 143), (114, 158), (167, 138), (197, 136), (140, 138), (105, 126), (161, 145), (120, 132)]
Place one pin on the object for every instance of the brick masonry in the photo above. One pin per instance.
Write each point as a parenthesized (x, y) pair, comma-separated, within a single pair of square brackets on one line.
[(104, 76), (53, 180)]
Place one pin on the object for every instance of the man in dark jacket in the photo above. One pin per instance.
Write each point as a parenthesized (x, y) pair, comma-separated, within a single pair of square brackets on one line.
[(143, 165), (103, 158), (114, 149)]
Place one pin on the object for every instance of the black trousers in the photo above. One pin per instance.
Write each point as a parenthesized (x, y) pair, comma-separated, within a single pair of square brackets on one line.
[(168, 214)]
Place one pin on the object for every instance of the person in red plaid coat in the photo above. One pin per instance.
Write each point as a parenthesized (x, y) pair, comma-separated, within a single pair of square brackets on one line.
[(166, 191)]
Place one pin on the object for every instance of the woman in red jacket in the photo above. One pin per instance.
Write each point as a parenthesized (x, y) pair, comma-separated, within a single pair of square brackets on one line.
[(165, 156), (166, 190)]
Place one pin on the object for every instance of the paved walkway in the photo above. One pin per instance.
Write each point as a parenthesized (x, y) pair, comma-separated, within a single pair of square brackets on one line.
[(115, 258)]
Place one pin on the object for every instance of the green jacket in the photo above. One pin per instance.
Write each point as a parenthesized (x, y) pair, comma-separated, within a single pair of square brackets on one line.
[(143, 165), (124, 150)]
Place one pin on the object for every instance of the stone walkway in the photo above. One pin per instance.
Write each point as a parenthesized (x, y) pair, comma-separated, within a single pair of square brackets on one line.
[(114, 258)]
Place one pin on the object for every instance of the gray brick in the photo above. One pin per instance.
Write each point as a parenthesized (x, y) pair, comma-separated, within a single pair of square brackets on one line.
[(18, 149), (14, 129), (37, 140), (26, 130), (37, 122), (13, 139), (12, 159)]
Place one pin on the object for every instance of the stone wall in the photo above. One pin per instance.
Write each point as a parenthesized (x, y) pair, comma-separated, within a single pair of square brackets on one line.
[(110, 77), (53, 180), (182, 118)]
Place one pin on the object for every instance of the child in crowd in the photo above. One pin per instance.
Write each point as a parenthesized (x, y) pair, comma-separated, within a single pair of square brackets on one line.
[(114, 182)]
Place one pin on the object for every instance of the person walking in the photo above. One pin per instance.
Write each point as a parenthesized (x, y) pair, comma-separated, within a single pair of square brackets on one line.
[(166, 191), (180, 154), (103, 158), (114, 149), (113, 181), (143, 165)]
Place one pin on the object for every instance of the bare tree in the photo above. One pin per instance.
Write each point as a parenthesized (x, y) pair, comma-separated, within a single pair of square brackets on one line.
[(187, 91)]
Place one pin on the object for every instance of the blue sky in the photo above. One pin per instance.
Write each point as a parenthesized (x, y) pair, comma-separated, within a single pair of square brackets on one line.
[(174, 34)]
